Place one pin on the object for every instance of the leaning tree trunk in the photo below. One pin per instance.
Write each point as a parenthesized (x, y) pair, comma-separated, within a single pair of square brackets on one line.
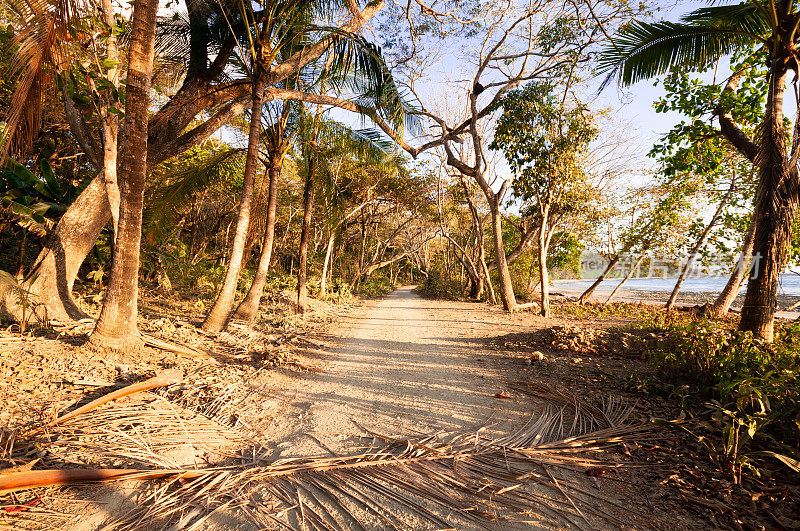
[(591, 289), (731, 289), (302, 268), (503, 274), (116, 327), (53, 274), (698, 244), (323, 281), (217, 318), (776, 206), (634, 267), (248, 309)]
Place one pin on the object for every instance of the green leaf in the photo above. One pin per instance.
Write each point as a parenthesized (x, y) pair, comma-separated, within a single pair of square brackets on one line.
[(53, 188)]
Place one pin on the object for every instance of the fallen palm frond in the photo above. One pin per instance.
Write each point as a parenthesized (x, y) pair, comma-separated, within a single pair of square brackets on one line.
[(165, 378), (536, 475), (142, 431)]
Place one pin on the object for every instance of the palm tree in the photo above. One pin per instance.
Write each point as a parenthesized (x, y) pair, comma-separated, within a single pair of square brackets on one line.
[(279, 135), (350, 62), (643, 50), (116, 327)]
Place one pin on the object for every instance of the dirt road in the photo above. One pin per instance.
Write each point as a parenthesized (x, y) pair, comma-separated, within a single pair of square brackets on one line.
[(408, 366)]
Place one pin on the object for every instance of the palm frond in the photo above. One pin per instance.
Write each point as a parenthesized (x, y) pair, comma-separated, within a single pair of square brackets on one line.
[(441, 481), (746, 17), (42, 38), (166, 202), (644, 50)]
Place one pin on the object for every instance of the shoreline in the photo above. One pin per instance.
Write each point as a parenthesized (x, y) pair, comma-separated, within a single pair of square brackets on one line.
[(686, 298)]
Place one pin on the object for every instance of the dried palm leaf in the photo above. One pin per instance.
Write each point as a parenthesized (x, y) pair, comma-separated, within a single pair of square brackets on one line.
[(164, 378), (442, 481), (534, 476)]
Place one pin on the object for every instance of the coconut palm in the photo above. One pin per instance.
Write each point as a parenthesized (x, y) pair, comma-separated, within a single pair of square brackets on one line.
[(350, 62), (116, 327), (643, 50)]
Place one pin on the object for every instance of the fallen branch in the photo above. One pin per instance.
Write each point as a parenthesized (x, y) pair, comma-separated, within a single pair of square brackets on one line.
[(170, 346)]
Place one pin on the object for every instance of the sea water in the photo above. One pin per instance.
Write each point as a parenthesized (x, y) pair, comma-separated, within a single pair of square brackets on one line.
[(789, 284)]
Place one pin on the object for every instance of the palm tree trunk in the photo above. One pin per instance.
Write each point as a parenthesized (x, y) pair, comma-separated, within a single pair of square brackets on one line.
[(503, 274), (217, 318), (698, 244), (776, 206), (731, 289), (248, 309), (302, 268), (634, 267), (116, 327)]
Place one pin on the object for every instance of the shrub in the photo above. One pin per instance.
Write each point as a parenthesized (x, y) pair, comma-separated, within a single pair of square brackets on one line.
[(376, 286), (751, 387), (436, 286)]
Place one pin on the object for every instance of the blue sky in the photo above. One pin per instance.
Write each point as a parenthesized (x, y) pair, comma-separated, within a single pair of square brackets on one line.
[(634, 105)]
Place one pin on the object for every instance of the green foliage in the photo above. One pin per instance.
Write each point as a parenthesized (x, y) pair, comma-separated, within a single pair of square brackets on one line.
[(541, 137), (752, 387), (196, 170), (376, 286), (565, 253), (38, 200), (695, 158), (440, 286), (643, 50), (645, 315)]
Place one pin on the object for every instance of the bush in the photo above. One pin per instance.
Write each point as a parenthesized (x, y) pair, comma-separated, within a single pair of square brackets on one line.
[(376, 286), (751, 387), (438, 287)]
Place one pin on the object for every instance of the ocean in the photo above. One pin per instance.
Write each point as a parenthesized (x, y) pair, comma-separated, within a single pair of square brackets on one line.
[(789, 284)]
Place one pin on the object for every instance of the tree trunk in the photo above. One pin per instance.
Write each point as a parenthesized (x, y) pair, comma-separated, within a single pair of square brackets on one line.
[(776, 206), (634, 267), (116, 327), (323, 281), (109, 123), (504, 275), (248, 309), (588, 293), (52, 276), (302, 268), (544, 277), (217, 318), (698, 244), (731, 289)]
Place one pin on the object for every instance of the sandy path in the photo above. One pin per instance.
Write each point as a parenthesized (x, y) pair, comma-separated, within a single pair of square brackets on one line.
[(407, 367)]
